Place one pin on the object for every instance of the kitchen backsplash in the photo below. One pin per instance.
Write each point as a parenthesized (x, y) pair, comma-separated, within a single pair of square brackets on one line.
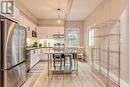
[(31, 42)]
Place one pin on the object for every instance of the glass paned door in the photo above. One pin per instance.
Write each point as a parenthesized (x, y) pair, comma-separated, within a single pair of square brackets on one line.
[(72, 36)]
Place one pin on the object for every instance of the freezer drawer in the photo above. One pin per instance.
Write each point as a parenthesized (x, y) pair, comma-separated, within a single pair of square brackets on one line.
[(15, 77)]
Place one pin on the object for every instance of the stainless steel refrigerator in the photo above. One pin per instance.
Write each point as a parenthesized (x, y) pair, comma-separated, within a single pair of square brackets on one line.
[(12, 60)]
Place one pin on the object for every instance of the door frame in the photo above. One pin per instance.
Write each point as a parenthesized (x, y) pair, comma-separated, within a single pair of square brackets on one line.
[(129, 39)]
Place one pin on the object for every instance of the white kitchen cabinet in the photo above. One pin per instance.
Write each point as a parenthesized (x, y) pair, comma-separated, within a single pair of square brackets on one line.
[(34, 57), (37, 55), (44, 56)]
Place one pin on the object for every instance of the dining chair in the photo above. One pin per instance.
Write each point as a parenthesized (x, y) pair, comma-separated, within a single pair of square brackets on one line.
[(58, 58), (70, 56), (81, 53)]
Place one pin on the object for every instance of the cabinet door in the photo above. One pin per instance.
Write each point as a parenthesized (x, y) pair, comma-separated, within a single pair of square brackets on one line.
[(32, 58), (43, 55), (37, 51)]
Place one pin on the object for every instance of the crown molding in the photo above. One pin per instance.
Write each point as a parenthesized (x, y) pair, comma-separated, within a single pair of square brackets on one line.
[(50, 25), (68, 8), (26, 13), (50, 22), (42, 22)]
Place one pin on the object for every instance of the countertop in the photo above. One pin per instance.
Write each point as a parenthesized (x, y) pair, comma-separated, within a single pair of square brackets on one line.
[(33, 48)]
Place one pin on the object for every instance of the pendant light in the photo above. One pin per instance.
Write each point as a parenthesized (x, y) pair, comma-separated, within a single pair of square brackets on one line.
[(59, 19)]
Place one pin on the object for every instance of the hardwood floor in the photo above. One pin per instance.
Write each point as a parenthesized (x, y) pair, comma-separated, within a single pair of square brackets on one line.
[(34, 73), (85, 79)]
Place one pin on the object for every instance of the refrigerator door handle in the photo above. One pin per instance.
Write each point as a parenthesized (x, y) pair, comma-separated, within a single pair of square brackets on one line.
[(12, 67)]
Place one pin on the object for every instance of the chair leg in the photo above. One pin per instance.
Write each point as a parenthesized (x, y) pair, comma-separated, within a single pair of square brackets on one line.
[(64, 61), (61, 61), (70, 61), (54, 62)]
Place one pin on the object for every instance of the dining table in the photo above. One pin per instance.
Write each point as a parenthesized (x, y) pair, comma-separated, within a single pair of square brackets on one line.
[(73, 57)]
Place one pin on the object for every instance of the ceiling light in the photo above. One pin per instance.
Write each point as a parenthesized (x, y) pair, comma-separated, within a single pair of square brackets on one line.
[(59, 20), (58, 12)]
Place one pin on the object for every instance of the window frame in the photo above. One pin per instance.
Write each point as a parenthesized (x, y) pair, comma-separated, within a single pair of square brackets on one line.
[(67, 33)]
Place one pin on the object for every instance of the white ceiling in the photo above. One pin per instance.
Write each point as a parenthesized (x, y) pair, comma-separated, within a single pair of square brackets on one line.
[(46, 9), (82, 8)]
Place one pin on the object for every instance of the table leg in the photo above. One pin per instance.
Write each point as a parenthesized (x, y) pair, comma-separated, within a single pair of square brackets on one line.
[(76, 64), (48, 64), (74, 61), (50, 61), (64, 60)]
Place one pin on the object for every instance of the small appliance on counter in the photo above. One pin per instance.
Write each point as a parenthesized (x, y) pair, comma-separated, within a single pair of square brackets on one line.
[(35, 44)]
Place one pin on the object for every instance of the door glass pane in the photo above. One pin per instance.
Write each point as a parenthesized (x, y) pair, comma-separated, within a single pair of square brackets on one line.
[(72, 36), (91, 37)]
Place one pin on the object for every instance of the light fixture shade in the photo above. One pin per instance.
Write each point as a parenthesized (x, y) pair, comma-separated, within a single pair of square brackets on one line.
[(58, 21)]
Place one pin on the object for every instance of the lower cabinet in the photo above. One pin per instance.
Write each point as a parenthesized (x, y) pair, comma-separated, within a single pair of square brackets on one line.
[(44, 56), (34, 57)]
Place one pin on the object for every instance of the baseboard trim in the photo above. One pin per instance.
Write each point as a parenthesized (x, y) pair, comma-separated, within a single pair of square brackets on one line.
[(124, 84), (113, 77)]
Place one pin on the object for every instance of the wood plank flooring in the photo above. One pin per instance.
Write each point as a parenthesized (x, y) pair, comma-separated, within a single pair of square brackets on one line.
[(85, 79), (34, 73)]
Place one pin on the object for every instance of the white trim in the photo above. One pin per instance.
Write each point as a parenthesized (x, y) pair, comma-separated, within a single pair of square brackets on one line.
[(129, 38), (113, 77), (90, 28), (25, 12)]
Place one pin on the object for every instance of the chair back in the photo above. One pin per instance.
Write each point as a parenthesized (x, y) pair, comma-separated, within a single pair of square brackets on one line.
[(81, 49)]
